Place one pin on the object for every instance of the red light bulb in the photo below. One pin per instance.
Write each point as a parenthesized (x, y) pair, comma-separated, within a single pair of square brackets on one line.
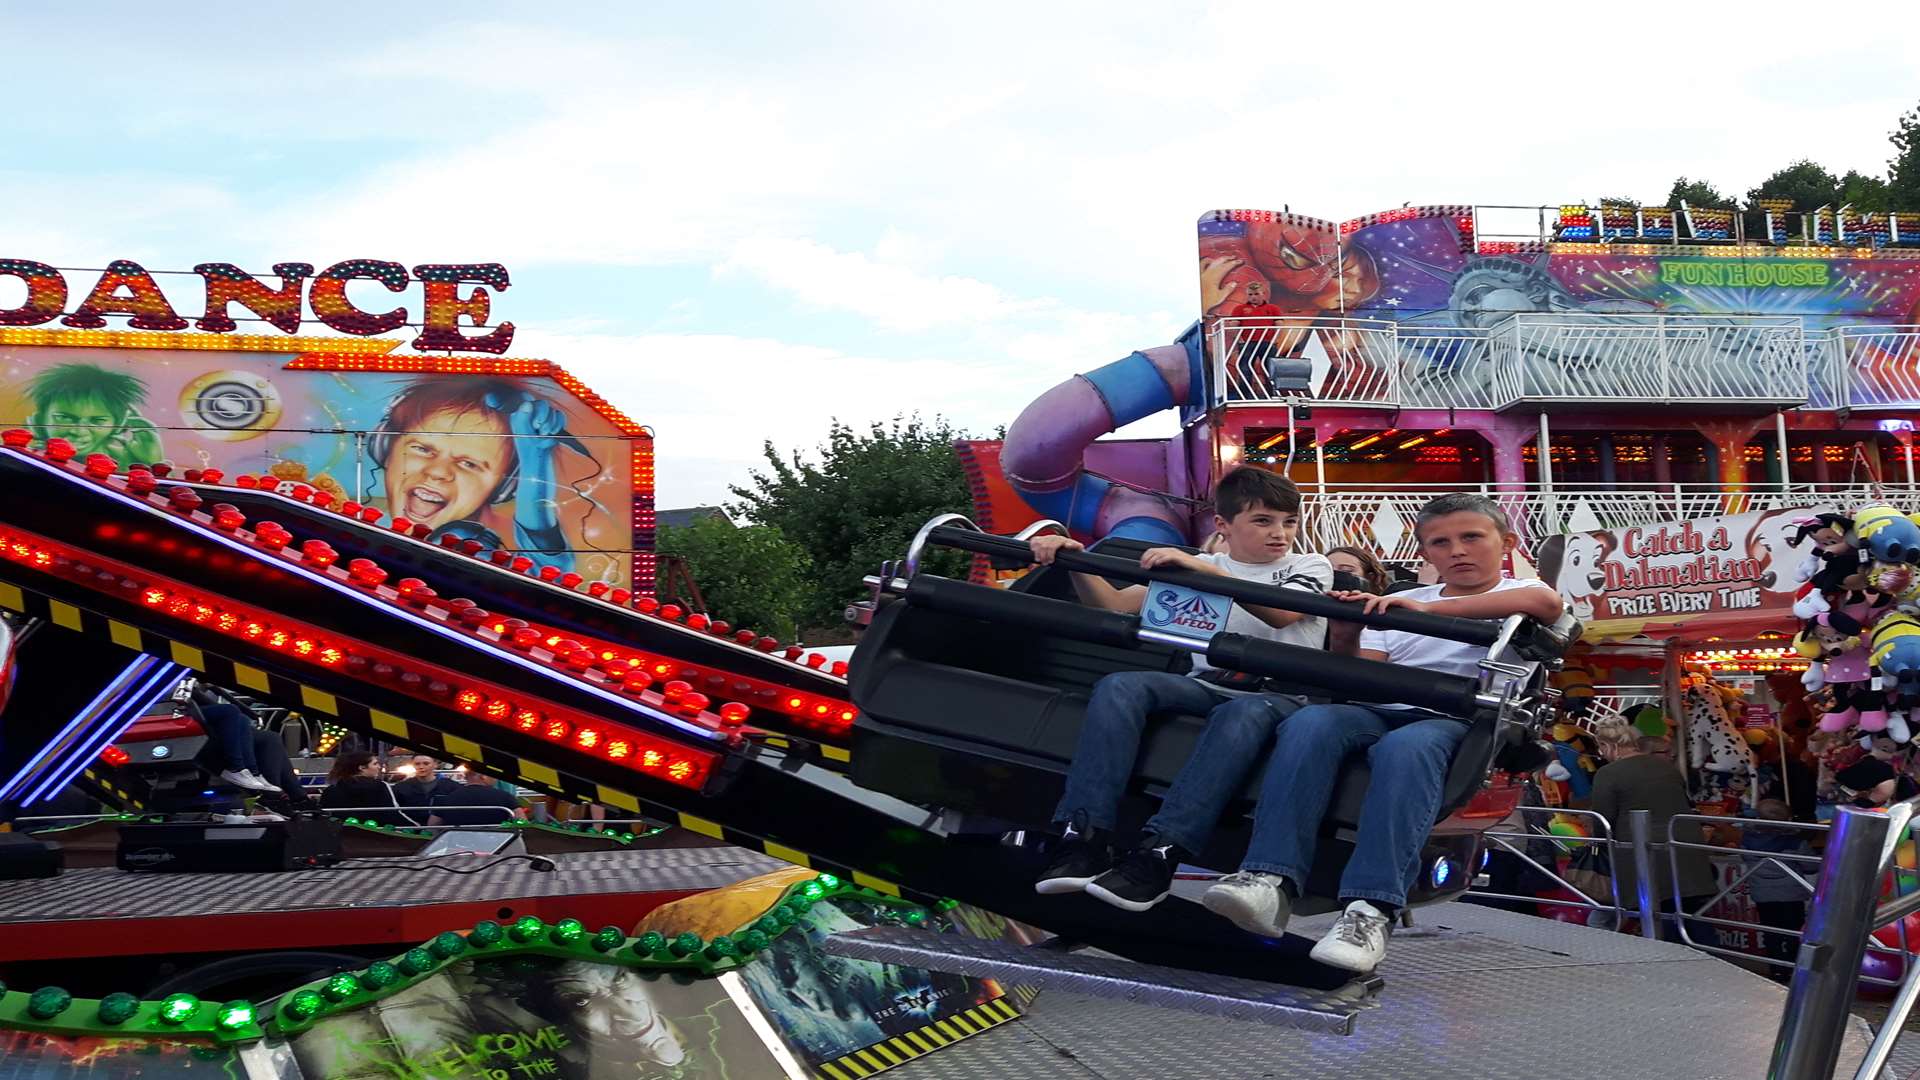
[(670, 612), (619, 597), (674, 690), (549, 573), (227, 517), (100, 466), (370, 514), (744, 637), (646, 605), (185, 500), (697, 621), (245, 480), (597, 589), (60, 450), (693, 702), (520, 564), (16, 438), (733, 713), (570, 580)]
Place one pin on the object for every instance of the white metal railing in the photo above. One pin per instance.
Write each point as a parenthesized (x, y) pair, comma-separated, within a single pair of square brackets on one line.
[(1874, 366), (1673, 358), (1381, 518), (1565, 357)]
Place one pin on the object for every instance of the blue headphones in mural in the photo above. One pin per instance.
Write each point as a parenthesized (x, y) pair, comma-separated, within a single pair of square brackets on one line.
[(530, 420)]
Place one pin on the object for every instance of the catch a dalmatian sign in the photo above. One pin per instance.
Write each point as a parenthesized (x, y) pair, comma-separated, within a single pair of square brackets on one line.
[(1646, 578)]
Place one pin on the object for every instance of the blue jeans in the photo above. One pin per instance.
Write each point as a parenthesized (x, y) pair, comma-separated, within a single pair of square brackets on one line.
[(1237, 732), (1409, 750), (232, 733)]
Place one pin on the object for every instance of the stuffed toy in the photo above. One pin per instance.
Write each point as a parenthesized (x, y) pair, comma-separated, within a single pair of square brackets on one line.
[(1848, 675), (1579, 757), (1714, 740)]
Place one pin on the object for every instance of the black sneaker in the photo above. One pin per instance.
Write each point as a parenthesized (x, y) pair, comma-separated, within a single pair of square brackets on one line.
[(1142, 878), (1080, 855)]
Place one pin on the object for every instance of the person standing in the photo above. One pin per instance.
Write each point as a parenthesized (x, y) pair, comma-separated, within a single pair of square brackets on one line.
[(1639, 776)]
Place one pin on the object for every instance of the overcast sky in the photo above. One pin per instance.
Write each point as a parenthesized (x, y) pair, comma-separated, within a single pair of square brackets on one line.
[(738, 220)]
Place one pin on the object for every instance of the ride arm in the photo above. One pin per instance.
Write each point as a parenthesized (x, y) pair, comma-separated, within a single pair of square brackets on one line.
[(1536, 602), (1320, 573)]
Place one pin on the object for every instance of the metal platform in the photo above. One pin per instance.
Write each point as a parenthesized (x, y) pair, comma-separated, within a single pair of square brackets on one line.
[(1469, 992), (1098, 974), (356, 902)]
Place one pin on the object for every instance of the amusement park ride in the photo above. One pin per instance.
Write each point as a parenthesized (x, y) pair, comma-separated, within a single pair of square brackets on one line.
[(911, 784)]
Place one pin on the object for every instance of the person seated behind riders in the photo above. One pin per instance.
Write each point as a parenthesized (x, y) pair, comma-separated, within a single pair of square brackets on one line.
[(1465, 537), (476, 799), (356, 788), (1259, 514)]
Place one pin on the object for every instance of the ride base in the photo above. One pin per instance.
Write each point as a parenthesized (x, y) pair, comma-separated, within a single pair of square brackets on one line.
[(1468, 991)]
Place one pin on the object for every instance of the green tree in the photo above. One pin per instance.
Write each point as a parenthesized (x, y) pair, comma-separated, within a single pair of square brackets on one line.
[(1696, 193), (1903, 172), (859, 504), (752, 576), (1863, 192), (1809, 185)]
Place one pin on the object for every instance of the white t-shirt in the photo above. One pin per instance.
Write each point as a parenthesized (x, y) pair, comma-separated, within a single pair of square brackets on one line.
[(1432, 653), (1304, 571)]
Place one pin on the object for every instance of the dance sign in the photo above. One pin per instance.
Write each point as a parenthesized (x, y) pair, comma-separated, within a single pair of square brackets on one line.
[(1657, 577), (128, 290)]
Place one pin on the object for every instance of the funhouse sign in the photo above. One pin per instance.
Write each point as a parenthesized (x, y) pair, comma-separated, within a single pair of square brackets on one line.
[(449, 293)]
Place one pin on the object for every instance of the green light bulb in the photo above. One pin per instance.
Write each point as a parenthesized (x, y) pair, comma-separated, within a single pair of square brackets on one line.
[(340, 988), (567, 931), (48, 1002), (486, 933), (783, 915), (415, 962), (447, 944), (752, 941), (686, 944), (914, 916), (179, 1008), (812, 890), (827, 881), (770, 927), (947, 905), (303, 1005), (608, 939), (526, 928), (117, 1008), (722, 948), (379, 975), (649, 943), (235, 1015)]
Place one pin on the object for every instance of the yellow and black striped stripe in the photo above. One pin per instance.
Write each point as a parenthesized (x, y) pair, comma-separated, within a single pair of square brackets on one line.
[(900, 1049), (405, 731)]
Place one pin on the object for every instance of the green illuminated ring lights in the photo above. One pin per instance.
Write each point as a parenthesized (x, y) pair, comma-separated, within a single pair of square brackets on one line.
[(52, 1010), (567, 829)]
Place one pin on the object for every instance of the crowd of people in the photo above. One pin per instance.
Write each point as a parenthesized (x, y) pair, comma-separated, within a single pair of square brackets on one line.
[(1300, 740), (414, 793)]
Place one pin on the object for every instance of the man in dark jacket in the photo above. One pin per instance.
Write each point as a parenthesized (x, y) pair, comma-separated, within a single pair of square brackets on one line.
[(1641, 777), (475, 802)]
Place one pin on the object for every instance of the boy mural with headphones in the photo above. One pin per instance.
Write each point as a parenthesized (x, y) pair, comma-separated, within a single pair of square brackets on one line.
[(452, 447)]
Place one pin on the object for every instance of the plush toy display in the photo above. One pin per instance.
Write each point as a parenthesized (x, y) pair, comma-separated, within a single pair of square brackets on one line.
[(1714, 742)]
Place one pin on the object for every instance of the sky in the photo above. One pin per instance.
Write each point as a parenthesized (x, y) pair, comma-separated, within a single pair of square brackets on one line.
[(738, 222)]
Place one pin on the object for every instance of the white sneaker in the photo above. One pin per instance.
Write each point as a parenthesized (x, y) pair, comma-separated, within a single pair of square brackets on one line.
[(241, 778), (1252, 901), (1358, 940)]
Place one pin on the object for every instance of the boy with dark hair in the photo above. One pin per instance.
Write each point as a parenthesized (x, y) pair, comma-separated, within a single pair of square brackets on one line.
[(1466, 537), (1258, 514)]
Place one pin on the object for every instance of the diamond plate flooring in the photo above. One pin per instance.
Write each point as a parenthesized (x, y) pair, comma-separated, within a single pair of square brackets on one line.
[(111, 894), (1470, 992)]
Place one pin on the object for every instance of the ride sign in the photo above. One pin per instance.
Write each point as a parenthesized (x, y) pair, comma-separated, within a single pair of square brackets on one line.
[(1175, 609)]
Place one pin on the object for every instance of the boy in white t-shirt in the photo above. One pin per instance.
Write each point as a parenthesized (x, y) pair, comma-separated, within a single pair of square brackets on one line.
[(1466, 538), (1258, 513)]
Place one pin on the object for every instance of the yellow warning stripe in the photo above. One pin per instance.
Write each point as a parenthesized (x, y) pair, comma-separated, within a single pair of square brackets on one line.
[(787, 854), (907, 1046), (65, 614)]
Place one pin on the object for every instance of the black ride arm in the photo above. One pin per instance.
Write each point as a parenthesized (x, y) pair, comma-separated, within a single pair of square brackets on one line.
[(1346, 676), (1471, 631)]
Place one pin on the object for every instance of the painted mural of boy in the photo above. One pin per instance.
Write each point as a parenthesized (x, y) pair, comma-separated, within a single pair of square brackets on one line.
[(96, 410), (450, 448)]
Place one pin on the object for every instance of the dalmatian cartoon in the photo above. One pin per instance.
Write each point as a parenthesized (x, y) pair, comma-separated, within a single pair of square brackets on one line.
[(1571, 564)]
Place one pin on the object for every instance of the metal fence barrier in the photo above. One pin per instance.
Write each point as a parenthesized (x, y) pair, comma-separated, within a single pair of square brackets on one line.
[(1841, 887)]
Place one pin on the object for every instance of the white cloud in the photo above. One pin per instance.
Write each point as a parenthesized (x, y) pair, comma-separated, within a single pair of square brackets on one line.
[(712, 399), (891, 295)]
